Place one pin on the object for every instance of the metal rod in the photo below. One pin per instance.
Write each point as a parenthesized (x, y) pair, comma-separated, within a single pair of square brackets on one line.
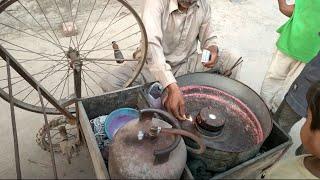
[(39, 24), (77, 89), (26, 25), (74, 19), (105, 59), (95, 44), (48, 134), (94, 25), (111, 43), (33, 35), (13, 121), (86, 23), (49, 24), (23, 73), (103, 30)]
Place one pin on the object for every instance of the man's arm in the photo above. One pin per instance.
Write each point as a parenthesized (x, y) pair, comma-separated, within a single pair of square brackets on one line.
[(207, 37), (285, 9), (152, 15), (156, 60)]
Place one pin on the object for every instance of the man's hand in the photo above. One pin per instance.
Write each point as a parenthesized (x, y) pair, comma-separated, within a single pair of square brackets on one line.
[(285, 9), (174, 103), (214, 56)]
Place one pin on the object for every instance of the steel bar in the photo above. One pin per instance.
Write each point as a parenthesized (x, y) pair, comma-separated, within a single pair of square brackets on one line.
[(26, 75), (48, 134), (13, 121)]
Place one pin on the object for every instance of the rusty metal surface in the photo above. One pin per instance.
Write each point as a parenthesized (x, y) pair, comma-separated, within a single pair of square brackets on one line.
[(247, 122), (240, 131), (53, 161), (277, 143), (131, 158), (14, 126)]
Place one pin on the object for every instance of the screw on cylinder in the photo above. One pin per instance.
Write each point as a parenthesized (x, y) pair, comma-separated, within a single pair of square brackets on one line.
[(140, 135)]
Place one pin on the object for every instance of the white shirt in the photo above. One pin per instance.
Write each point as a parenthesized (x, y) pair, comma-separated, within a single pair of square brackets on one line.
[(173, 35)]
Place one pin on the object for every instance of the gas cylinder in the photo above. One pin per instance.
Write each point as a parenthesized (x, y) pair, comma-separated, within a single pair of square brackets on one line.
[(150, 147)]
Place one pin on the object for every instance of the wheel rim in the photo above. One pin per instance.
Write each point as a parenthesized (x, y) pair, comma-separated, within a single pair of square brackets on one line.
[(32, 36)]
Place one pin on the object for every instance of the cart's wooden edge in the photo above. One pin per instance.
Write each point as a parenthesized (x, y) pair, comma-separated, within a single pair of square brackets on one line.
[(96, 157)]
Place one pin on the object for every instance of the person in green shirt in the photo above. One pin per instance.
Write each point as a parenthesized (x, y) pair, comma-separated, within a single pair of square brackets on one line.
[(298, 43)]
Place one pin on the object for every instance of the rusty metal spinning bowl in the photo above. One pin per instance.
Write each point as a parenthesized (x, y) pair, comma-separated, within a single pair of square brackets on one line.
[(230, 117)]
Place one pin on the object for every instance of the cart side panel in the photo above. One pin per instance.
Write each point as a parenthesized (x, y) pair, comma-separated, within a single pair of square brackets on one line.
[(96, 157), (104, 104)]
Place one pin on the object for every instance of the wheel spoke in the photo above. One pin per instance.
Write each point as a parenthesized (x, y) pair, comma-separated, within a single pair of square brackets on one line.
[(74, 19), (104, 58), (117, 34), (98, 62), (111, 43), (38, 73), (63, 21), (94, 25), (49, 74), (122, 80), (93, 79), (65, 82), (28, 27), (45, 55), (39, 23), (49, 24), (87, 22), (58, 85), (110, 49), (64, 78), (30, 51), (106, 28), (109, 40), (86, 85)]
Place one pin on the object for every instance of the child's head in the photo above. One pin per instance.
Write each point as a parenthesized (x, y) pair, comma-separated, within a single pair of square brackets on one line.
[(310, 132)]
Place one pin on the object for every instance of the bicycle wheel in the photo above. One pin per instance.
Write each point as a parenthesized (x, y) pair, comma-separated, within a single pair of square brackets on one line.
[(46, 37)]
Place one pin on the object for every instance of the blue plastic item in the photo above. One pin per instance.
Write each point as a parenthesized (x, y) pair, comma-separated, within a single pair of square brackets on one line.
[(118, 118)]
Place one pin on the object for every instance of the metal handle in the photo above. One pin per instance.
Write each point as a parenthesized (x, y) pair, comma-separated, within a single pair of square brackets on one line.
[(162, 154), (195, 138)]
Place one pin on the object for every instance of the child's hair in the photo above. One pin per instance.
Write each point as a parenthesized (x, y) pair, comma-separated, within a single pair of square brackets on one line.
[(313, 99)]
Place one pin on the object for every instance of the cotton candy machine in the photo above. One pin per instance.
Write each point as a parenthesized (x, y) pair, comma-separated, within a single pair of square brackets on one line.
[(244, 156), (230, 117)]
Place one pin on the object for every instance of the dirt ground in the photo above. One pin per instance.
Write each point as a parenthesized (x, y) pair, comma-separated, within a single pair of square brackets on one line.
[(246, 26)]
